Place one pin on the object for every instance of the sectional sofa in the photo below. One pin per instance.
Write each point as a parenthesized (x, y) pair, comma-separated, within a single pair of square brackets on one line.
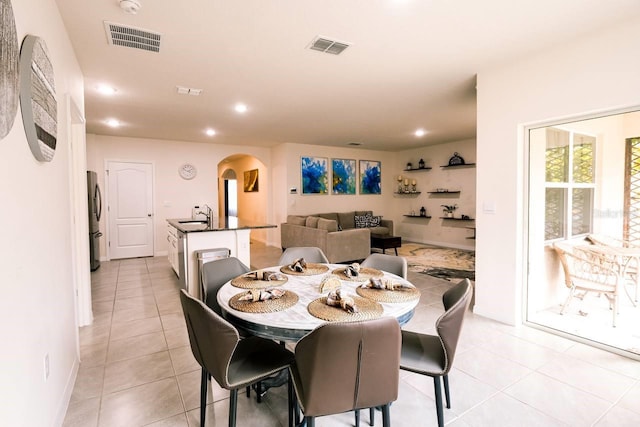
[(342, 236)]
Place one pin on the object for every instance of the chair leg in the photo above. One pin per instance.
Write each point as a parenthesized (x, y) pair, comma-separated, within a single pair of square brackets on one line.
[(566, 303), (310, 421), (290, 396), (248, 391), (447, 397), (386, 417), (438, 393), (372, 412), (357, 411), (203, 396), (233, 407)]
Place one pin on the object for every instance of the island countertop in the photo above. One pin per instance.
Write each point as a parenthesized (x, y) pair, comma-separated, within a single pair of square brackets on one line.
[(223, 223)]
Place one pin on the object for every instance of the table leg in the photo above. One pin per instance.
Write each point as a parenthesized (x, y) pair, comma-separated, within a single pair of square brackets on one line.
[(396, 249), (384, 251)]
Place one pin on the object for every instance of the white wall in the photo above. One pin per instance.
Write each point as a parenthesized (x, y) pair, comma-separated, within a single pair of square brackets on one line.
[(37, 308), (287, 174), (173, 196), (596, 73), (437, 231)]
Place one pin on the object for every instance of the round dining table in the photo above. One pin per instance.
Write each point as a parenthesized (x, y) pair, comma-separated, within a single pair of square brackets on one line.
[(294, 322)]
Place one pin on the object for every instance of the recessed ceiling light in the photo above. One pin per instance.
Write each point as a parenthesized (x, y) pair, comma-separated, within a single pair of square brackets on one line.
[(210, 132), (106, 90), (420, 132), (113, 123), (240, 108)]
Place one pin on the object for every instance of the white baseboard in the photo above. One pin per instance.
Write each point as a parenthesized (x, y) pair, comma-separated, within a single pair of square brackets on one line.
[(63, 406)]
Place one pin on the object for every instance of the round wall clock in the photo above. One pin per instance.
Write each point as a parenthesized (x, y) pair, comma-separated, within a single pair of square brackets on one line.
[(9, 54), (38, 98), (187, 171)]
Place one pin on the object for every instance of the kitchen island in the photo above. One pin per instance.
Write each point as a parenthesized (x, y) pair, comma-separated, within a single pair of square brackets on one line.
[(223, 232)]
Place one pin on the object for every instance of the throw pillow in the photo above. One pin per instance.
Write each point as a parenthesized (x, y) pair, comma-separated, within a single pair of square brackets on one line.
[(327, 224), (373, 221), (312, 222), (296, 220), (361, 221)]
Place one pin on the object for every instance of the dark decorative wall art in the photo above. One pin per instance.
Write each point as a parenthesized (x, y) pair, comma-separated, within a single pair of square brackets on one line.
[(370, 177), (343, 176), (9, 55), (38, 98), (315, 176)]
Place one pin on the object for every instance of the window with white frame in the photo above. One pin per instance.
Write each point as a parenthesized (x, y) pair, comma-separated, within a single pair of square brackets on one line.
[(569, 183)]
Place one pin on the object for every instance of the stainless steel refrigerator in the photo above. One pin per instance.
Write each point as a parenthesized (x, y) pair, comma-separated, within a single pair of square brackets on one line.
[(95, 210)]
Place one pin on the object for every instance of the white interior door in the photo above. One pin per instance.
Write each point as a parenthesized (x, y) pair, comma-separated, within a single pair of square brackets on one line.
[(130, 209)]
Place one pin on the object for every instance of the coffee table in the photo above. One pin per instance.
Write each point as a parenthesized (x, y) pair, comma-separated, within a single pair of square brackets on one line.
[(386, 242)]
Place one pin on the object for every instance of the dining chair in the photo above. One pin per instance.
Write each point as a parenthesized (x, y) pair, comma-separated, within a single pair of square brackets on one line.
[(392, 264), (433, 355), (346, 366), (309, 253), (216, 273), (232, 362)]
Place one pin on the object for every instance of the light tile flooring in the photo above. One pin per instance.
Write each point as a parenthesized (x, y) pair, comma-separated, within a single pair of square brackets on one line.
[(137, 368)]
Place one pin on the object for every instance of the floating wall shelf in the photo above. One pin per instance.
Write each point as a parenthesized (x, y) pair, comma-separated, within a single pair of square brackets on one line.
[(418, 169), (408, 194), (417, 216), (444, 192), (457, 219), (470, 165)]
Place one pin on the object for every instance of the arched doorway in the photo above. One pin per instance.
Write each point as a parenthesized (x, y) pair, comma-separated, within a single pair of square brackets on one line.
[(243, 181), (230, 193)]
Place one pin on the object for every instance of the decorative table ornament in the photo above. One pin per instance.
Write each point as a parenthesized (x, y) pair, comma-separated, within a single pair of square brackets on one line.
[(423, 211), (456, 160), (421, 164)]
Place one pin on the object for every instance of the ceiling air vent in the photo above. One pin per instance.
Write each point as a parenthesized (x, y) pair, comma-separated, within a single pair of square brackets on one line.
[(137, 38), (326, 45)]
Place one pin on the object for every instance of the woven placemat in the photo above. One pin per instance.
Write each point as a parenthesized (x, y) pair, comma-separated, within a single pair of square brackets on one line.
[(311, 270), (289, 299), (385, 295), (245, 282), (367, 309), (365, 274)]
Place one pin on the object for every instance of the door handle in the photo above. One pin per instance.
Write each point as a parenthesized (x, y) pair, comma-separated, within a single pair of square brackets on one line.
[(149, 215)]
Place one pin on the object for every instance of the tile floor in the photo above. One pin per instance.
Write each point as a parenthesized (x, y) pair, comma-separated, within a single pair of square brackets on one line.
[(137, 368)]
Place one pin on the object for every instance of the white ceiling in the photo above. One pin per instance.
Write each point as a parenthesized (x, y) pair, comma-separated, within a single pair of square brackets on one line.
[(412, 64)]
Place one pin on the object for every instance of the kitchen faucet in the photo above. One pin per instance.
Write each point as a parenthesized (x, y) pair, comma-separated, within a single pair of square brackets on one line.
[(208, 213)]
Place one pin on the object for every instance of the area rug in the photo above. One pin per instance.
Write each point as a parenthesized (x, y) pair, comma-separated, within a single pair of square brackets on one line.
[(444, 263)]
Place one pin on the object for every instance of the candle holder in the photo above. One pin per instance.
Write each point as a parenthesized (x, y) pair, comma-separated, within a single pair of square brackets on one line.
[(400, 188), (413, 185)]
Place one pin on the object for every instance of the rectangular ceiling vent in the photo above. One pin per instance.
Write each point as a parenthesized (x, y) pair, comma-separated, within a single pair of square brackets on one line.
[(326, 45), (137, 38)]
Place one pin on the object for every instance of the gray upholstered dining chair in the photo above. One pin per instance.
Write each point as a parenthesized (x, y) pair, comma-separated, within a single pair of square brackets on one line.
[(232, 362), (389, 263), (214, 275), (433, 355), (309, 253), (341, 367)]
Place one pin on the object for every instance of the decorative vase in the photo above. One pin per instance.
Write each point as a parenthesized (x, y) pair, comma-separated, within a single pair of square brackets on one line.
[(421, 164), (409, 166), (423, 211), (449, 214)]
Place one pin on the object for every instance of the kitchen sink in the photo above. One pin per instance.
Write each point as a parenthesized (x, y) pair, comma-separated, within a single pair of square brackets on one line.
[(193, 221)]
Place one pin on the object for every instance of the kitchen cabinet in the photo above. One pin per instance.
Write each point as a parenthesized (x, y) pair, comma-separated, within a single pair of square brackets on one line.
[(172, 253)]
